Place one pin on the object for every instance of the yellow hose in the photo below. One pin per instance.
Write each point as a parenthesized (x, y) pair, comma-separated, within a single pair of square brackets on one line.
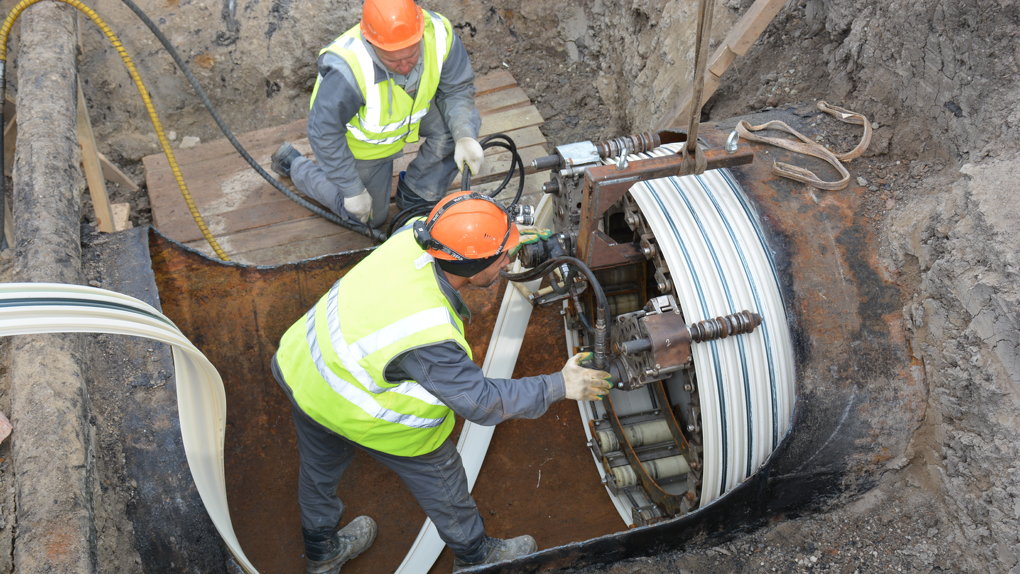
[(5, 30)]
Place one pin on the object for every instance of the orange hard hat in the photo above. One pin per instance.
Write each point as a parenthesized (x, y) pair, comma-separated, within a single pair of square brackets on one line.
[(467, 225), (392, 24)]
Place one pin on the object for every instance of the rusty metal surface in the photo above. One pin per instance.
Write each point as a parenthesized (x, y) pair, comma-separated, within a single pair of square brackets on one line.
[(538, 477)]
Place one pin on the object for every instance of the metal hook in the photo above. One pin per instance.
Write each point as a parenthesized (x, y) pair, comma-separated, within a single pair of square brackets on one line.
[(621, 161), (731, 142)]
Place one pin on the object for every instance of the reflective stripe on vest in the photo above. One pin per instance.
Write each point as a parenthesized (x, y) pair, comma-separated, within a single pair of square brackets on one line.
[(369, 135), (359, 397), (350, 355)]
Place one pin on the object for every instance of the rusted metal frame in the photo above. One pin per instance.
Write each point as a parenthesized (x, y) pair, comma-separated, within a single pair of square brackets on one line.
[(670, 503), (604, 186)]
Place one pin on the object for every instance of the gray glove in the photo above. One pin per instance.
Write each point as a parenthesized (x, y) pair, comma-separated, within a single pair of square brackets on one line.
[(584, 384), (359, 206)]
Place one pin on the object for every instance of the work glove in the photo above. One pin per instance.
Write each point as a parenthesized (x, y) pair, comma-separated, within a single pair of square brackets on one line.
[(529, 236), (359, 206), (469, 151), (582, 383)]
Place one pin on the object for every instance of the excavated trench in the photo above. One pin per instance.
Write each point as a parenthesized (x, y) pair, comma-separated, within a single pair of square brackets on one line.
[(122, 495), (538, 476)]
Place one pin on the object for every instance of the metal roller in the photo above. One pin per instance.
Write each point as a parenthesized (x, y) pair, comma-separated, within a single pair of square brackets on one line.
[(728, 402), (659, 469), (640, 434)]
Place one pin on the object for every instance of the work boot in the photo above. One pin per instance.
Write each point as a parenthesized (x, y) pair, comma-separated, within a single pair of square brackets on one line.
[(498, 550), (327, 551), (282, 158), (406, 197)]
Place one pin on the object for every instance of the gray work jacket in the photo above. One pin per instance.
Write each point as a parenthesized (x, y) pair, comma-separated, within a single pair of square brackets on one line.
[(338, 99)]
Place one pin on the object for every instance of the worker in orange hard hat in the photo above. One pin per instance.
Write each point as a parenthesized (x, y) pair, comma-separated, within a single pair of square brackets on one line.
[(399, 75), (382, 364)]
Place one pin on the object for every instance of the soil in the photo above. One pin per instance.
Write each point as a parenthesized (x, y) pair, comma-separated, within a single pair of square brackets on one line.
[(938, 78)]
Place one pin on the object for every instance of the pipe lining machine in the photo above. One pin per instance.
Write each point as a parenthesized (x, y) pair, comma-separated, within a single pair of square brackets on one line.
[(660, 264)]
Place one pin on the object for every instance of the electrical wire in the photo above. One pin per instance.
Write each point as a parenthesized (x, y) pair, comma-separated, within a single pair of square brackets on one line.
[(229, 134), (143, 92), (601, 331), (497, 140)]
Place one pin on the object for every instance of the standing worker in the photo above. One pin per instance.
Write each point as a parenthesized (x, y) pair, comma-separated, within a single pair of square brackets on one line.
[(399, 74), (381, 363)]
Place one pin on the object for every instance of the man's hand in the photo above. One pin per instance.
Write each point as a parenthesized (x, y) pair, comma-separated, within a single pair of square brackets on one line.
[(469, 151), (359, 206), (583, 384)]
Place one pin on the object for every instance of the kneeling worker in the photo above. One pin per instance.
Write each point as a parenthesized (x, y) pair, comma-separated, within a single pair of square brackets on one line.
[(400, 74), (381, 363)]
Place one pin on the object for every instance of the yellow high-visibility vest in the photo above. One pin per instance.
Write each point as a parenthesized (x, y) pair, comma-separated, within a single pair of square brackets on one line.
[(333, 359), (390, 117)]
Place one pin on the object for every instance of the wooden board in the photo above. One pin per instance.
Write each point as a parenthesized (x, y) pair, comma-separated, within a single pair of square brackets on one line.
[(255, 223)]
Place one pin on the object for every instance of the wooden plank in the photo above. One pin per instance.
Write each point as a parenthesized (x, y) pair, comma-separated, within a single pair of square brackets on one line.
[(511, 119), (196, 160), (113, 174), (738, 40), (252, 240), (227, 183), (93, 170), (251, 216), (298, 250), (493, 82), (256, 224), (233, 188), (215, 152), (513, 97)]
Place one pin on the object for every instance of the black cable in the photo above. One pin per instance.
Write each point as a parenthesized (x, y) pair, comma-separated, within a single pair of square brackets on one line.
[(400, 219), (354, 225), (498, 140), (602, 303), (546, 267), (516, 163)]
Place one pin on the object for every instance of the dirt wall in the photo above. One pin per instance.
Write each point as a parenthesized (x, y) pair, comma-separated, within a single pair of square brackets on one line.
[(595, 69), (966, 326)]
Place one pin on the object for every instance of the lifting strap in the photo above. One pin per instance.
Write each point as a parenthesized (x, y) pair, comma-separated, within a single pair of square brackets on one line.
[(807, 146), (694, 161)]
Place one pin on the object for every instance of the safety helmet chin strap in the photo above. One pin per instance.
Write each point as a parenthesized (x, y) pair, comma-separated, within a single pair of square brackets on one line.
[(423, 229)]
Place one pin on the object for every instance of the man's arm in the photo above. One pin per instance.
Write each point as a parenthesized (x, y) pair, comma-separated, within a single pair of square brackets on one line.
[(445, 370), (455, 95), (336, 102)]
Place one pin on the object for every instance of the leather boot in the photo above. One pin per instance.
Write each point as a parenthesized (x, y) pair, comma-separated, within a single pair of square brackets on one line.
[(282, 158), (498, 550), (326, 550)]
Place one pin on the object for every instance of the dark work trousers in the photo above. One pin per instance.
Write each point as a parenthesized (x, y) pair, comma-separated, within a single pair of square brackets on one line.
[(429, 174), (437, 480)]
